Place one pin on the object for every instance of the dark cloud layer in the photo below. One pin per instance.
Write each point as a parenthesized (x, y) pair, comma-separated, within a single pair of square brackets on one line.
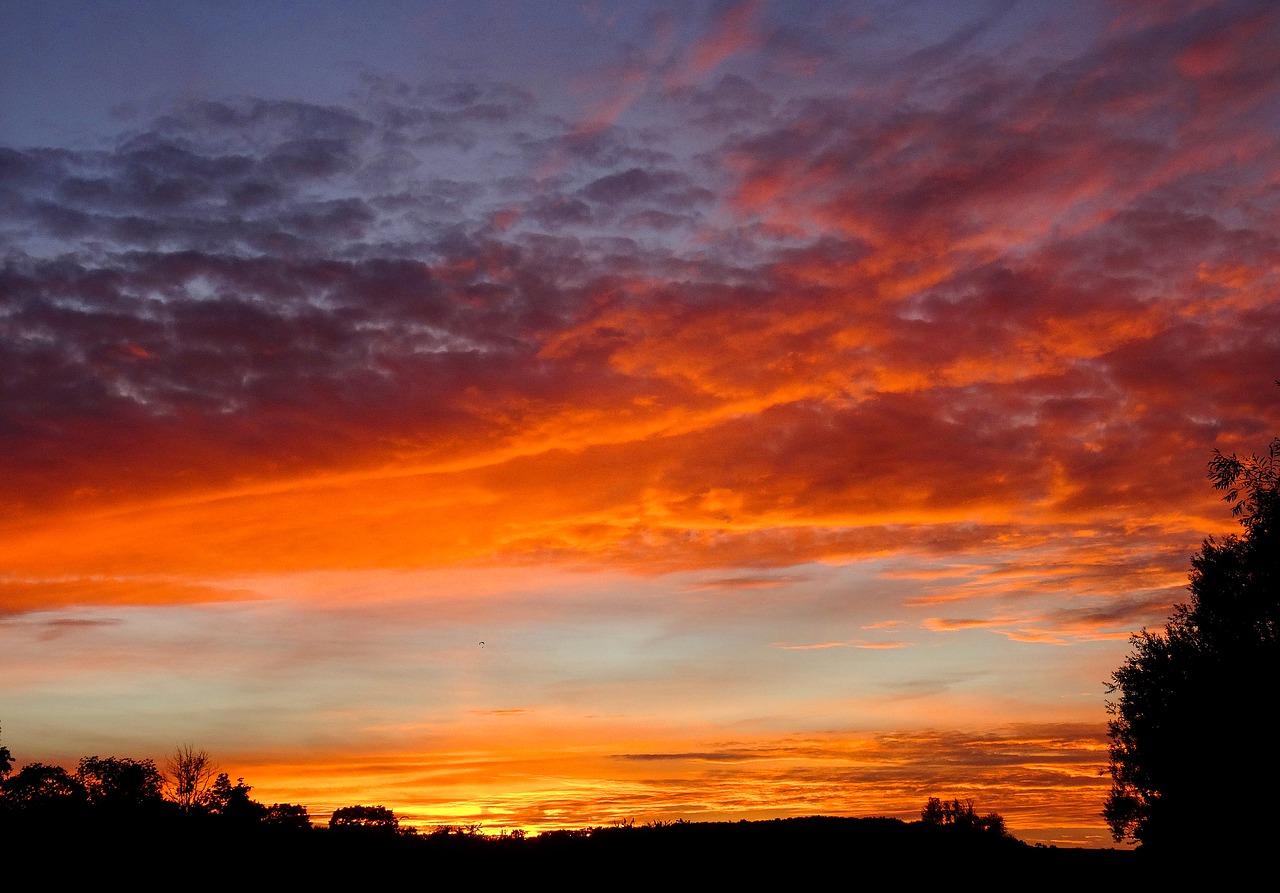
[(970, 284)]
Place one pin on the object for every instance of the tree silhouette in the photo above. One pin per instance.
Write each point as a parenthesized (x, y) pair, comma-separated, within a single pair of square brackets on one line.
[(189, 774), (39, 792), (364, 818), (293, 816), (120, 783), (6, 762), (1192, 752), (961, 815), (232, 801)]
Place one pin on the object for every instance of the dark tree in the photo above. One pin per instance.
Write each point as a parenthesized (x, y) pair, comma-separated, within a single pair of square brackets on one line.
[(961, 815), (6, 762), (293, 816), (364, 818), (189, 774), (39, 792), (1192, 750), (232, 801), (121, 784)]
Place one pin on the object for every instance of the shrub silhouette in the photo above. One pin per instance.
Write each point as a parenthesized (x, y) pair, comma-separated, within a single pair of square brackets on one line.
[(962, 816), (292, 816), (364, 818)]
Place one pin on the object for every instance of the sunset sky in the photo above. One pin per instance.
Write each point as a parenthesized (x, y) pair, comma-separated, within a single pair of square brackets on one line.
[(544, 414)]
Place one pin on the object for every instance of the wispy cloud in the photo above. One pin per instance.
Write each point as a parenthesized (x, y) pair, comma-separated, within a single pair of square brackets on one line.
[(853, 643)]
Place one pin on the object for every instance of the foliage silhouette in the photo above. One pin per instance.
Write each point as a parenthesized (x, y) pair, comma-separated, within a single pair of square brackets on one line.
[(47, 812), (289, 816), (232, 801), (40, 793), (1198, 697), (364, 818), (6, 762), (121, 784), (962, 816)]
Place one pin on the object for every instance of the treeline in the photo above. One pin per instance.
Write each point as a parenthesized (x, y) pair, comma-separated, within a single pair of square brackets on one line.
[(190, 790), (131, 820), (124, 792), (120, 789)]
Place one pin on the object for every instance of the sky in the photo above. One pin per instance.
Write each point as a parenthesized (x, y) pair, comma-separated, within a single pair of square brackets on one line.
[(555, 414)]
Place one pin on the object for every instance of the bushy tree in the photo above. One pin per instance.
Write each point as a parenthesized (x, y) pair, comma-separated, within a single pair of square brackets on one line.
[(39, 792), (293, 816), (961, 815), (232, 801), (120, 783), (1192, 752), (364, 818)]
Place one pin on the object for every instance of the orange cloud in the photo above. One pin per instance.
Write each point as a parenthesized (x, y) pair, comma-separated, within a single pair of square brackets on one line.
[(855, 643), (734, 32), (1036, 776), (54, 594)]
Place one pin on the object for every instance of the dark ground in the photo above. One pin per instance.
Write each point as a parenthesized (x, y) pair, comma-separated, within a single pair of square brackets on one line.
[(783, 853)]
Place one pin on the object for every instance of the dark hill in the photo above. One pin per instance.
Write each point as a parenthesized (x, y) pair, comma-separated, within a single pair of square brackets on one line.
[(683, 855)]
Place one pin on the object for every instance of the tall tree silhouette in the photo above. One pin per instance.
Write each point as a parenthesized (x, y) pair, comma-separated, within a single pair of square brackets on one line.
[(1192, 749), (189, 774)]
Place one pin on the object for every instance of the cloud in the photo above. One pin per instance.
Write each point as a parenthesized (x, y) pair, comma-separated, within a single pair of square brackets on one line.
[(855, 643), (986, 304), (68, 626), (1034, 775), (748, 582), (734, 32), (1112, 618), (708, 757), (671, 189), (19, 597)]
